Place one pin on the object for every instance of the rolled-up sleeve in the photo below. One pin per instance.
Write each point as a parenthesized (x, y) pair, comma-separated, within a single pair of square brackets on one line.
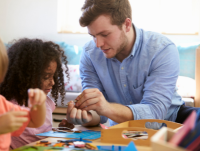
[(159, 86)]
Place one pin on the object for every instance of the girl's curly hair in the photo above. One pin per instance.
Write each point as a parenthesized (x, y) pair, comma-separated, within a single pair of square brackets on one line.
[(28, 59)]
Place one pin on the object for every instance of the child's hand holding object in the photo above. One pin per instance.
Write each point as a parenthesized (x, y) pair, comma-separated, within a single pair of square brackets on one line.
[(36, 98)]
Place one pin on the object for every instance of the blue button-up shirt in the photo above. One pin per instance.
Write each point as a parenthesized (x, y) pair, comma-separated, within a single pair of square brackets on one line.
[(145, 81)]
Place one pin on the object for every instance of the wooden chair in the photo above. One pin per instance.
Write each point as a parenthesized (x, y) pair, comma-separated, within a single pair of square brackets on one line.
[(197, 78)]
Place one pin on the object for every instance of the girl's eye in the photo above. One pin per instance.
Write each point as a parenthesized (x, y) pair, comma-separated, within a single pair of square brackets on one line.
[(46, 78)]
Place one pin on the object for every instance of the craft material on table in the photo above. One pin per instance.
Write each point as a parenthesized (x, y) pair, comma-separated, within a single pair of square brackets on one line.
[(135, 135), (72, 143), (37, 148), (69, 145), (87, 134), (65, 130), (130, 147)]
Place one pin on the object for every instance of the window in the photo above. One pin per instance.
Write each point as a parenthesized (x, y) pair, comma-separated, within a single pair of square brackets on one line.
[(164, 16), (69, 12)]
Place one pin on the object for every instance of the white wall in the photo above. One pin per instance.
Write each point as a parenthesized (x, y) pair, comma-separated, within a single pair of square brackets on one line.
[(38, 19), (33, 19)]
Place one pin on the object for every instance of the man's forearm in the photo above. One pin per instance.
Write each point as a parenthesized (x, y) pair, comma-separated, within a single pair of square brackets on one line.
[(119, 113), (95, 119)]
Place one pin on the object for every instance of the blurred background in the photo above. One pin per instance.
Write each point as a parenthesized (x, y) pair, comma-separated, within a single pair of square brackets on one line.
[(57, 20)]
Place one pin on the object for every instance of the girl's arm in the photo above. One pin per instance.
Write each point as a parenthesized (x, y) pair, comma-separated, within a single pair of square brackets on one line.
[(37, 104)]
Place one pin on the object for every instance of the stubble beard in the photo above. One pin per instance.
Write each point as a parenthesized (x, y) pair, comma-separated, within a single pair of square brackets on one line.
[(122, 45)]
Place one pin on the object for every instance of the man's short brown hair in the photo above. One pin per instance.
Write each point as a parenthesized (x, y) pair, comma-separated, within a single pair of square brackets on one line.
[(118, 10), (3, 61)]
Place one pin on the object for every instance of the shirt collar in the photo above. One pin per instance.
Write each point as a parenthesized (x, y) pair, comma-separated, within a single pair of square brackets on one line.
[(137, 40)]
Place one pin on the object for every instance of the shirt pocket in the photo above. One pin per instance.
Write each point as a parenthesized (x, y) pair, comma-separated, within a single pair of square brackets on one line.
[(137, 93)]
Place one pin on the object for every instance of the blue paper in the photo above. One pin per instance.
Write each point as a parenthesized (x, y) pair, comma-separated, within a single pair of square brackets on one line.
[(83, 134)]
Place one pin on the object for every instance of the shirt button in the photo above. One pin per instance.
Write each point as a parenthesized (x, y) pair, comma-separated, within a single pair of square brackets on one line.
[(124, 85), (130, 102), (122, 68)]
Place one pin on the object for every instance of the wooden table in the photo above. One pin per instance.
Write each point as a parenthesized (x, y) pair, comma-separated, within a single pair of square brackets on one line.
[(95, 142)]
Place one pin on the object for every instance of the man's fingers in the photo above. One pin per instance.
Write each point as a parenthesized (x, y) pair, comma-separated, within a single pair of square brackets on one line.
[(90, 90), (91, 107), (79, 117), (88, 103), (69, 110), (73, 116), (85, 117), (70, 106), (87, 96)]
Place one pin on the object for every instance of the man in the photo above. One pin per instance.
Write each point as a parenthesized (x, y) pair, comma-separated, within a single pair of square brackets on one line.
[(127, 73)]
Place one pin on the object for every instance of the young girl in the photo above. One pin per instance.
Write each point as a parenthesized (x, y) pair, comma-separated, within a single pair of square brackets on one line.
[(38, 64), (14, 118)]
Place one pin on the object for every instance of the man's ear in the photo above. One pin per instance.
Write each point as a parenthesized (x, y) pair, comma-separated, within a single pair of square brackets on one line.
[(128, 24)]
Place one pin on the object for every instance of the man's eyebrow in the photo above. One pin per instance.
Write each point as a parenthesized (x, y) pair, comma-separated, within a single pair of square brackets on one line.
[(99, 32)]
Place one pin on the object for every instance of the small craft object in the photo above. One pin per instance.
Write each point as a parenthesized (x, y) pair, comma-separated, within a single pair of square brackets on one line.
[(90, 146), (79, 144), (59, 145), (42, 143), (77, 131), (65, 123), (64, 129), (80, 140), (73, 101)]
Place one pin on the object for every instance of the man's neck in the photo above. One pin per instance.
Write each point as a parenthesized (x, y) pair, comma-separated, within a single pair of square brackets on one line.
[(128, 48)]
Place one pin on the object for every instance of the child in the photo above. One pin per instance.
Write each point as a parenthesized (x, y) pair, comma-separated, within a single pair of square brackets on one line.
[(38, 64), (14, 118)]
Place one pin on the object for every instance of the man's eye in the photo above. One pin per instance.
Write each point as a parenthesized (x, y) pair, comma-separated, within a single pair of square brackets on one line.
[(105, 35)]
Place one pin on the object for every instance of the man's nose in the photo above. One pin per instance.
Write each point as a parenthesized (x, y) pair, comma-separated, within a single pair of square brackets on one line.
[(99, 41)]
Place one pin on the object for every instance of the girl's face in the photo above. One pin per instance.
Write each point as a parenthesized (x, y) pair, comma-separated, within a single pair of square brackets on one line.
[(47, 80)]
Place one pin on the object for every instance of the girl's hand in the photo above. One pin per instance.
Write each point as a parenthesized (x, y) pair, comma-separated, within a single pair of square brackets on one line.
[(12, 121), (36, 98)]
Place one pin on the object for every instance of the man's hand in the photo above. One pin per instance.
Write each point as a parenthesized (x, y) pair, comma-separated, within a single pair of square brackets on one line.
[(77, 116), (93, 99), (12, 121)]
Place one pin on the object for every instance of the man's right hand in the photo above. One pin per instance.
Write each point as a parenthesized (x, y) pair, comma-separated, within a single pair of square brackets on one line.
[(77, 116), (12, 121)]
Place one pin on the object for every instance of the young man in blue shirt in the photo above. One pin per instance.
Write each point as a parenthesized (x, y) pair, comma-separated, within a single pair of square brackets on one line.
[(127, 73)]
